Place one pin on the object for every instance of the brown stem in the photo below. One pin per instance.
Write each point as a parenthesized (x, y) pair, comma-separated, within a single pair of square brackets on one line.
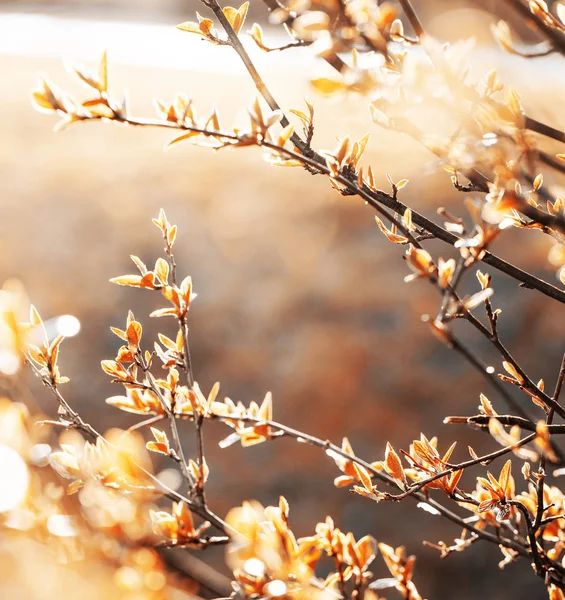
[(543, 129), (199, 543), (538, 565), (556, 37), (174, 430), (482, 422), (489, 377), (527, 383), (542, 463), (412, 18)]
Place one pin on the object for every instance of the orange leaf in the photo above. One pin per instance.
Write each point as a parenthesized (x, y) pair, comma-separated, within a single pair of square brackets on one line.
[(328, 86), (393, 465), (364, 476)]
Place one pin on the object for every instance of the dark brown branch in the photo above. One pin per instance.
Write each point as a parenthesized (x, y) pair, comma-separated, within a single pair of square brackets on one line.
[(489, 377), (372, 197), (188, 564), (555, 36), (481, 182), (420, 496), (551, 161), (526, 384), (330, 57), (198, 544), (412, 18), (543, 129), (537, 560), (482, 421), (542, 462)]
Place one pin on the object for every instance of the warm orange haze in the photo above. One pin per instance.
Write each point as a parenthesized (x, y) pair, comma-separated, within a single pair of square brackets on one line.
[(281, 300)]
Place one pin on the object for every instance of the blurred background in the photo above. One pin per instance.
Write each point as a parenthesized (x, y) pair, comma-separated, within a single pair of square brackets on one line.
[(298, 292)]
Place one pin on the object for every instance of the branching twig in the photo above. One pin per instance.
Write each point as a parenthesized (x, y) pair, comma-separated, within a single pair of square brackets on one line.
[(374, 198), (556, 37)]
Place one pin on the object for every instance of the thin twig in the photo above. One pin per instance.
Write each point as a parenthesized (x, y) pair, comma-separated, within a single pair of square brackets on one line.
[(556, 37), (326, 445), (257, 80), (86, 428), (412, 18), (482, 422), (526, 383)]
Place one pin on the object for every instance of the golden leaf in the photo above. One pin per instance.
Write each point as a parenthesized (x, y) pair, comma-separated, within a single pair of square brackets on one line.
[(87, 77), (121, 334), (34, 317), (328, 86), (162, 270), (129, 280), (164, 312), (42, 102), (397, 31), (53, 350), (511, 369), (127, 404), (181, 138), (285, 135), (171, 235), (555, 593), (486, 407), (239, 19), (186, 290), (256, 34), (303, 117), (504, 477), (454, 480), (161, 443), (213, 122), (190, 27), (484, 279), (103, 72), (167, 342), (284, 506), (472, 453), (514, 103), (114, 369), (392, 237)]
